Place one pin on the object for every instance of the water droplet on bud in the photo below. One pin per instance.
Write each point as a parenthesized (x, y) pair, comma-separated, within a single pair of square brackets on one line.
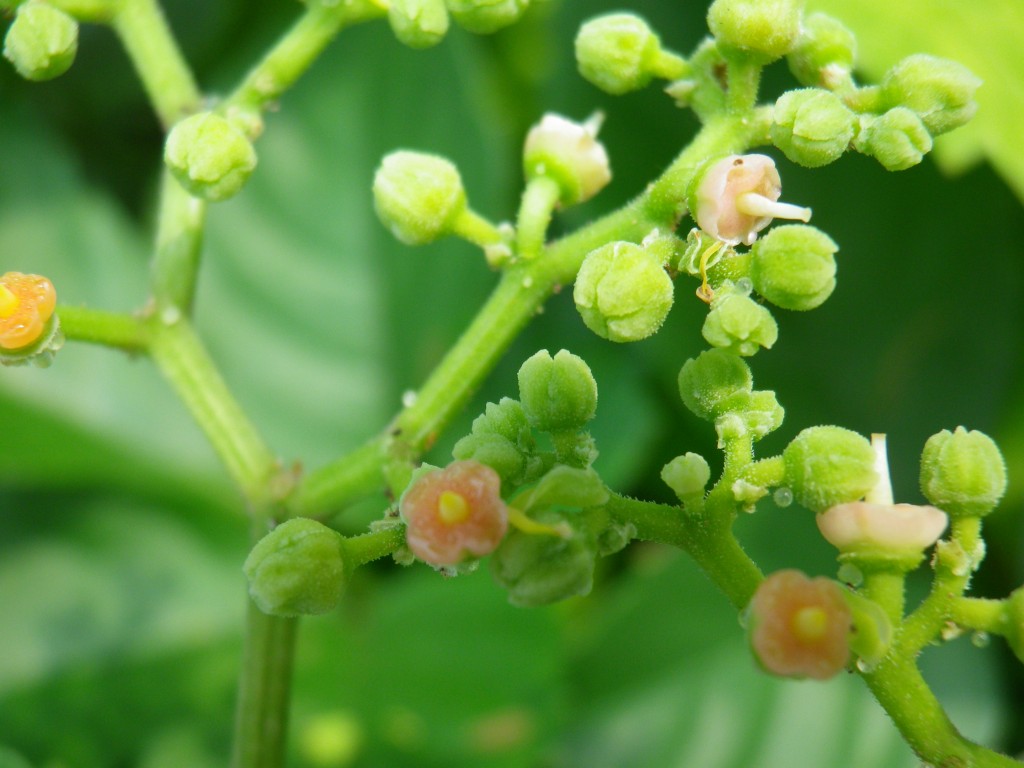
[(783, 497), (408, 398), (980, 639), (866, 667)]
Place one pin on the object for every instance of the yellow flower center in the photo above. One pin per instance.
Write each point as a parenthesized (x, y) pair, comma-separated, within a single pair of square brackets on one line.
[(8, 302), (810, 624), (452, 508)]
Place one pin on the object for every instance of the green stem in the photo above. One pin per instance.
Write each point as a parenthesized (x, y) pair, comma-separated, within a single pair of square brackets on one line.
[(713, 547), (539, 200), (112, 329), (179, 241), (296, 51), (345, 480), (155, 54), (744, 78), (360, 550), (887, 587), (903, 693), (261, 717), (181, 357), (951, 580), (979, 613), (97, 11)]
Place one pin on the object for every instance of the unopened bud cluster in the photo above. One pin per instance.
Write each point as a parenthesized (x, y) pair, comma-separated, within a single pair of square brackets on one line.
[(42, 41), (423, 23)]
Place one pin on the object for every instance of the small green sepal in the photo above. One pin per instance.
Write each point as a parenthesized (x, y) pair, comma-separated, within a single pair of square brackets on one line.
[(829, 465), (794, 267), (739, 324), (940, 91), (825, 52), (42, 41), (623, 292), (418, 196), (812, 126), (209, 156), (482, 17), (687, 475), (297, 569), (765, 30), (963, 472), (619, 53), (418, 23), (557, 393), (897, 139), (707, 381)]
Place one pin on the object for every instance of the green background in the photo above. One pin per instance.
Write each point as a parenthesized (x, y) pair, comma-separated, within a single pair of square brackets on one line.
[(121, 593)]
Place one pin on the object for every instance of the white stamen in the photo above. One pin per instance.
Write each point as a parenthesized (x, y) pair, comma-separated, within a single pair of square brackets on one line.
[(754, 204), (882, 492)]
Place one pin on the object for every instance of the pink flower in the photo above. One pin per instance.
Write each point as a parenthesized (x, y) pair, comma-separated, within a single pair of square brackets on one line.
[(454, 514), (800, 626), (738, 196)]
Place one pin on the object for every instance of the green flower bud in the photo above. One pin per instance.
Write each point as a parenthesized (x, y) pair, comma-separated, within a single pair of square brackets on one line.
[(687, 475), (755, 413), (897, 139), (418, 23), (418, 196), (501, 439), (540, 569), (826, 466), (812, 126), (739, 324), (622, 292), (570, 154), (962, 473), (209, 156), (619, 53), (564, 486), (708, 380), (482, 17), (940, 91), (297, 569), (763, 29), (824, 52), (557, 393), (1013, 622), (794, 267), (42, 41)]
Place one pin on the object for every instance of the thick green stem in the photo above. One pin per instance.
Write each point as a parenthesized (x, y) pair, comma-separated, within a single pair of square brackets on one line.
[(112, 329), (900, 689), (155, 54), (956, 565), (887, 587), (261, 716), (712, 546), (185, 363), (179, 241), (979, 613), (296, 51)]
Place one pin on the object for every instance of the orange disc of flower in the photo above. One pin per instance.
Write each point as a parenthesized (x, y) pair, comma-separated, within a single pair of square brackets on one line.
[(454, 513), (800, 626), (26, 303)]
